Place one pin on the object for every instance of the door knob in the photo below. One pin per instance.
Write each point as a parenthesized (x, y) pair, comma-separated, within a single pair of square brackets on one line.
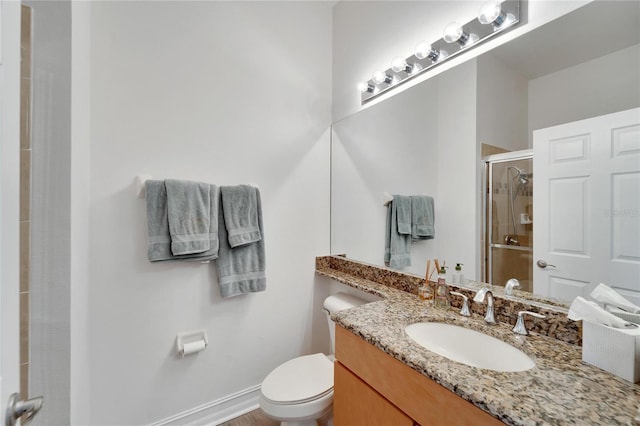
[(542, 264), (17, 408)]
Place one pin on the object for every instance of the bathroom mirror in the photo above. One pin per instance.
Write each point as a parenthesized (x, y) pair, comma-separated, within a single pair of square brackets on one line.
[(431, 138)]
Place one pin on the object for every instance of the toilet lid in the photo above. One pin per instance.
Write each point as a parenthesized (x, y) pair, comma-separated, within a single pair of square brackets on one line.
[(299, 380)]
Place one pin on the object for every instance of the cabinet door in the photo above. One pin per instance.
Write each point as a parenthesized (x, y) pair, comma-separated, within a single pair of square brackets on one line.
[(355, 403)]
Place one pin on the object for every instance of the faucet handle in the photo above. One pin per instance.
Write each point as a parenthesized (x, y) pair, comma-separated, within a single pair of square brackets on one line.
[(465, 304), (520, 327)]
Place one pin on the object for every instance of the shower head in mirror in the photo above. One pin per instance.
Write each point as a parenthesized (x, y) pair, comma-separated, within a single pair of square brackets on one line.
[(522, 176)]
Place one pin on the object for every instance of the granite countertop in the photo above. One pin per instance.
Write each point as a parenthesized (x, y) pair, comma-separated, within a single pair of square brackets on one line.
[(559, 390)]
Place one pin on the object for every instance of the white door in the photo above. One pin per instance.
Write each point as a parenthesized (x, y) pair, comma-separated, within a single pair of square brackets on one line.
[(587, 206), (9, 199)]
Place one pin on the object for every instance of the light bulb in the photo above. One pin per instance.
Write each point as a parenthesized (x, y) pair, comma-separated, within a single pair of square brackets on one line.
[(380, 77), (425, 50), (364, 86), (422, 49), (452, 32), (399, 64), (491, 13), (508, 21)]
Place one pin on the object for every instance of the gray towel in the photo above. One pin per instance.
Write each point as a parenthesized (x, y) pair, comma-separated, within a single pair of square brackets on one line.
[(422, 218), (403, 212), (159, 244), (188, 207), (240, 214), (397, 248), (241, 269)]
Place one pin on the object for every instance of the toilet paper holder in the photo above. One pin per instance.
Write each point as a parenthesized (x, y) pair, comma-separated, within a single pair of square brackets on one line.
[(191, 342)]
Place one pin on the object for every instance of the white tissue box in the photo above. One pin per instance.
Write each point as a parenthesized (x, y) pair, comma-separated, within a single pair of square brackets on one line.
[(627, 316), (615, 350)]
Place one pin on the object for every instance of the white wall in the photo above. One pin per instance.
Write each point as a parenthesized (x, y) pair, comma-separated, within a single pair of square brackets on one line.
[(222, 92), (458, 223), (596, 87), (502, 105)]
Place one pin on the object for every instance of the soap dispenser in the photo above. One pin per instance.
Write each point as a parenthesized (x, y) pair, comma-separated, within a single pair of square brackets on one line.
[(458, 276), (442, 289)]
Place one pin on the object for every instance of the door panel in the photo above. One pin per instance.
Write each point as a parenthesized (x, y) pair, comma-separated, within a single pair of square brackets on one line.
[(568, 197)]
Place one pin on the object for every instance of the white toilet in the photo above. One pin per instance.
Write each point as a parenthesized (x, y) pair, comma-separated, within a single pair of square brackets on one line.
[(300, 391)]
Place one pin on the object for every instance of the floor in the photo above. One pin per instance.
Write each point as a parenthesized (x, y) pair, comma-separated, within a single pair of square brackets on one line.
[(252, 418)]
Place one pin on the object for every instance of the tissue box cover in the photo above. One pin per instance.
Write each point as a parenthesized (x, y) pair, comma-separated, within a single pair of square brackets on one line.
[(627, 316), (612, 349)]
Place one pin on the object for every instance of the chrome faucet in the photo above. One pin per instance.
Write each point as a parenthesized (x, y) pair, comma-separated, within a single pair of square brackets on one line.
[(520, 327), (464, 311), (479, 298), (510, 285)]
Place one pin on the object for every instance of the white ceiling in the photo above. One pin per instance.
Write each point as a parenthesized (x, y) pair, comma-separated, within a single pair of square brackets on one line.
[(594, 30)]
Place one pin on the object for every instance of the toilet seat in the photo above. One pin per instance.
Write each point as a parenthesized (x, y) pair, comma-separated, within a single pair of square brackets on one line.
[(299, 381)]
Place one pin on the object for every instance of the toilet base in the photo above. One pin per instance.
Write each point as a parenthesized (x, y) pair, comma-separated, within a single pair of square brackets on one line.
[(325, 420), (301, 423)]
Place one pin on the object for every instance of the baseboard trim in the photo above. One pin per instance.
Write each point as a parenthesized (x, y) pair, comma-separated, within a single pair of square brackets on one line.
[(217, 411)]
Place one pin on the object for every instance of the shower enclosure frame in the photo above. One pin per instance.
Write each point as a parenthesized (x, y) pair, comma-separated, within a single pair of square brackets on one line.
[(487, 200)]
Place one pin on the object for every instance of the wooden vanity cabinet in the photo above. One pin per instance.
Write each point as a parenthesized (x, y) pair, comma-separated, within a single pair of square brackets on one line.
[(373, 388), (358, 404)]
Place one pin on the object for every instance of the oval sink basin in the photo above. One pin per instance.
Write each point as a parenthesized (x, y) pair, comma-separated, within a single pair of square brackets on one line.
[(469, 347)]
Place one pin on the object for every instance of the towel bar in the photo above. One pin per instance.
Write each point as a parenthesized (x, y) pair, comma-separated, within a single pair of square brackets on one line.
[(140, 185), (140, 181)]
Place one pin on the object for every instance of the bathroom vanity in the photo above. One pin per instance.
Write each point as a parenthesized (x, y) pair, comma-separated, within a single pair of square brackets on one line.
[(384, 377), (385, 390)]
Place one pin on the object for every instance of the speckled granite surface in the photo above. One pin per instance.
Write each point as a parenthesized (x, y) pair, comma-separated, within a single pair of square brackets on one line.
[(556, 324), (560, 390)]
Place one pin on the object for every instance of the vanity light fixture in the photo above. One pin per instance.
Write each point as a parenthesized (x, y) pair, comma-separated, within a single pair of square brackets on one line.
[(493, 18)]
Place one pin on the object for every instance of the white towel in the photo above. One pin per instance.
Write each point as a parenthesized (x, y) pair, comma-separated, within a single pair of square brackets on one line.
[(582, 309), (608, 296)]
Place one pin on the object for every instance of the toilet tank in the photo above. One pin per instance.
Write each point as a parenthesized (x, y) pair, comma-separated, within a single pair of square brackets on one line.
[(335, 303)]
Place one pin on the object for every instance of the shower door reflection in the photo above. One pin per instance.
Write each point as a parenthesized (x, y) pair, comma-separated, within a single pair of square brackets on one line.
[(509, 224)]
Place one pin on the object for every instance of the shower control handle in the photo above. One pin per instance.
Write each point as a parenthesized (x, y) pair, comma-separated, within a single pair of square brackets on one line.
[(543, 264)]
